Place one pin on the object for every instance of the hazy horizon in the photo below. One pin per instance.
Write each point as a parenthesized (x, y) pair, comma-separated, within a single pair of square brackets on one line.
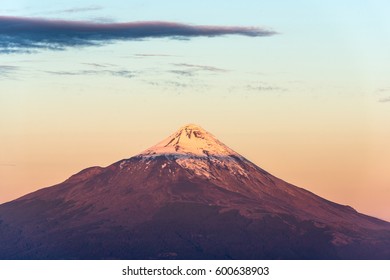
[(300, 89)]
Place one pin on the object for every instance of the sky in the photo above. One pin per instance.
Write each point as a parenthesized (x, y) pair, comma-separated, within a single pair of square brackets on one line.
[(300, 88)]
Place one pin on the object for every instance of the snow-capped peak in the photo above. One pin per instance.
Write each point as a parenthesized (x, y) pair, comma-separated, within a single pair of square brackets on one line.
[(190, 139)]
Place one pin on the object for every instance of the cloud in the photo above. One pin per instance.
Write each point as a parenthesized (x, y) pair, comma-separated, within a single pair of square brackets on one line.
[(385, 99), (103, 19), (196, 67), (383, 89), (25, 34), (6, 70), (98, 65), (192, 69), (153, 55), (73, 10), (187, 73), (264, 87), (79, 9), (116, 73)]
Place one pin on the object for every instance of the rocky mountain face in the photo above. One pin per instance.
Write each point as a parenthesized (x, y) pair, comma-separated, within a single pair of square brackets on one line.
[(188, 197)]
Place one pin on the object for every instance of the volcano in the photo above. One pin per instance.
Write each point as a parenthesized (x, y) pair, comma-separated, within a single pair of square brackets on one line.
[(188, 197)]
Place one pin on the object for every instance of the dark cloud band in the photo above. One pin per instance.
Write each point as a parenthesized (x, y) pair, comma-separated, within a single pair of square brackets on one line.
[(23, 34)]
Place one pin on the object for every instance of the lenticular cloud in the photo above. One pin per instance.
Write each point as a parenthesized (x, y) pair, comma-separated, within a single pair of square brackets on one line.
[(24, 34)]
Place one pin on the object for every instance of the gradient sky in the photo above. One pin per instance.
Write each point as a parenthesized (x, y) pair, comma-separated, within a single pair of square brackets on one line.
[(301, 88)]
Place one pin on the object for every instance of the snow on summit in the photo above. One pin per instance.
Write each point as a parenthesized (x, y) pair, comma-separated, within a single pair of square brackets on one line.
[(190, 139), (198, 151)]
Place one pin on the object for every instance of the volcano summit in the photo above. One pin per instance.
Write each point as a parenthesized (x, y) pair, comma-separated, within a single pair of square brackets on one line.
[(188, 197)]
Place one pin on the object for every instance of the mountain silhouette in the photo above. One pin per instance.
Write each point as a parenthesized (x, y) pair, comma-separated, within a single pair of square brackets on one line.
[(188, 197)]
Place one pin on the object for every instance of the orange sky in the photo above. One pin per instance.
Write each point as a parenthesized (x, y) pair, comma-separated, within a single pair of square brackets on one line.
[(310, 103)]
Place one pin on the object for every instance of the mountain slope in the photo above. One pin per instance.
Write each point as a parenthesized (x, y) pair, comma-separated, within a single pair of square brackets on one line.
[(188, 197)]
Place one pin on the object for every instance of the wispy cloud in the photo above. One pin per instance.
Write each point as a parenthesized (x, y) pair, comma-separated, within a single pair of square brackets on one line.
[(153, 55), (383, 89), (201, 67), (176, 86), (103, 19), (116, 73), (264, 87), (26, 34), (385, 99), (6, 70), (186, 69), (187, 73), (99, 65), (79, 9)]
